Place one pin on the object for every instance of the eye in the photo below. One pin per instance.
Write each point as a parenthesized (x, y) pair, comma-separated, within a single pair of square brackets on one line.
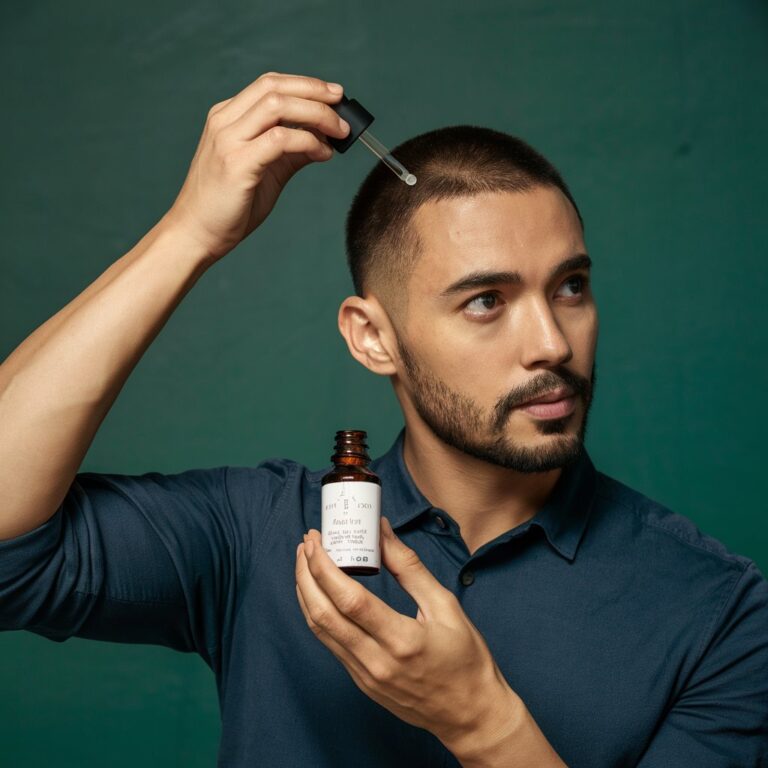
[(580, 280), (481, 302), (484, 304)]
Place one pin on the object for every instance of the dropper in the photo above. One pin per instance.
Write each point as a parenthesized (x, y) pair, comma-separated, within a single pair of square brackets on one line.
[(387, 158), (359, 118)]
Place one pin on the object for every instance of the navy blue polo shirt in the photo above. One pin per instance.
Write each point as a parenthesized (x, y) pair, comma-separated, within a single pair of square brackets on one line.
[(633, 638)]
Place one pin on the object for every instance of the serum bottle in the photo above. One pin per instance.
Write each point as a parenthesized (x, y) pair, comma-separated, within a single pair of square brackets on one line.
[(351, 506)]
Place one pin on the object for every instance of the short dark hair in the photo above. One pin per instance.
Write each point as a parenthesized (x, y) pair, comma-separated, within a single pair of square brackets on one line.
[(455, 161)]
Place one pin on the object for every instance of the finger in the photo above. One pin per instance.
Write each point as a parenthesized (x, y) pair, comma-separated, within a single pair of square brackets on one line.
[(278, 142), (348, 640), (276, 108), (334, 647), (321, 136), (358, 604), (361, 677), (289, 85), (413, 576)]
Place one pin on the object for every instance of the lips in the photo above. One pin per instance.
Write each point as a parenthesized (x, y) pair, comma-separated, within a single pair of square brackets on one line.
[(550, 397)]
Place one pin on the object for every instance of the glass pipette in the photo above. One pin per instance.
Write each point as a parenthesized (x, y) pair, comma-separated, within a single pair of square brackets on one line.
[(359, 118), (386, 157)]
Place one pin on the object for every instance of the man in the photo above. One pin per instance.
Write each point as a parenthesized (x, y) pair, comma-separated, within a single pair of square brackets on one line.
[(531, 611)]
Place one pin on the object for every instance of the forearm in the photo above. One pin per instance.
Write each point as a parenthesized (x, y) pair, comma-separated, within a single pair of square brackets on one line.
[(507, 736), (57, 386)]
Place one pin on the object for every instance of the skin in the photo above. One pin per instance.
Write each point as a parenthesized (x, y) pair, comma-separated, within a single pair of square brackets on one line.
[(58, 385), (460, 365), (410, 666), (434, 671)]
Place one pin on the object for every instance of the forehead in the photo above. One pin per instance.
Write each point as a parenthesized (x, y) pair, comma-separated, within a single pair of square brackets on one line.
[(525, 231)]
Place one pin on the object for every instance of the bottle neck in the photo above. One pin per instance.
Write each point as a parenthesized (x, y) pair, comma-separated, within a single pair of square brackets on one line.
[(349, 461), (351, 449)]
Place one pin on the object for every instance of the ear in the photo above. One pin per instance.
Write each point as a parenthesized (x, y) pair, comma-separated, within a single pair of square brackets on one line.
[(369, 334)]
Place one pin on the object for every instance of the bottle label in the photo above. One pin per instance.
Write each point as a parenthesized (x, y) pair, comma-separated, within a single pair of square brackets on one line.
[(351, 512)]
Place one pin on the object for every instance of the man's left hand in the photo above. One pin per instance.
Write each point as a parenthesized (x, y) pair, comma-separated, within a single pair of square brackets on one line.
[(435, 671)]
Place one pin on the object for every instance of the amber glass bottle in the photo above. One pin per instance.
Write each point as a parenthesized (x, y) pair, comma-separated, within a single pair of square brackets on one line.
[(351, 506)]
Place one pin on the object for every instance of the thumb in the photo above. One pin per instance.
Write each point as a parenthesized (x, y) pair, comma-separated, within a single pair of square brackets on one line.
[(412, 575)]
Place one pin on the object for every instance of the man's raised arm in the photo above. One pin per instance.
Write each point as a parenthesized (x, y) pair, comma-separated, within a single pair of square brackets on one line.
[(57, 386)]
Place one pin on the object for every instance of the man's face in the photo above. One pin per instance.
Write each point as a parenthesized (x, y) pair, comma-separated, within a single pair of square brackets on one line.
[(473, 353)]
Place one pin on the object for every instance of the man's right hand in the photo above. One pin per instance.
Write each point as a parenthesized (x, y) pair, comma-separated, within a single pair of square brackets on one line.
[(247, 153)]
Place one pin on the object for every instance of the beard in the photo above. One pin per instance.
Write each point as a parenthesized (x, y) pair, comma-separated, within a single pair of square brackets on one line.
[(460, 422)]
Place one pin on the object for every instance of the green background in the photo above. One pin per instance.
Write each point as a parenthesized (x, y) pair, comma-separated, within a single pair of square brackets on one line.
[(656, 115)]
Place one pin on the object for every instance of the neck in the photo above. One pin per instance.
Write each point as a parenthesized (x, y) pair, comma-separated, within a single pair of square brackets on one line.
[(484, 499)]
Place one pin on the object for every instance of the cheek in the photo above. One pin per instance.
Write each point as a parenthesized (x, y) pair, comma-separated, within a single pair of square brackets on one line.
[(584, 338), (472, 367)]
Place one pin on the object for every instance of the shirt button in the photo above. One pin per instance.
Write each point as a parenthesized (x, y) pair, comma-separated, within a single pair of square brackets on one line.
[(467, 578), (439, 520)]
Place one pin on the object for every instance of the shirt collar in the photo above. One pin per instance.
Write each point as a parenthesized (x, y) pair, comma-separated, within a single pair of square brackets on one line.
[(563, 517)]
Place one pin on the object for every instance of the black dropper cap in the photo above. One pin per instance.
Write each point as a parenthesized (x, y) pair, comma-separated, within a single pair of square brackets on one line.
[(358, 117)]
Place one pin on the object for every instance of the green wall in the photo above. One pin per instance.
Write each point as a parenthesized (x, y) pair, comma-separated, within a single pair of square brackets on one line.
[(656, 115)]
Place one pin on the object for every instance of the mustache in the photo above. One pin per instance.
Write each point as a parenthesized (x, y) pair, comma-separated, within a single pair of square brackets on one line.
[(538, 387)]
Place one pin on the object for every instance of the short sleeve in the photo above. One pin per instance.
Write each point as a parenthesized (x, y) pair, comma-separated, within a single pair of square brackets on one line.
[(720, 720), (149, 558)]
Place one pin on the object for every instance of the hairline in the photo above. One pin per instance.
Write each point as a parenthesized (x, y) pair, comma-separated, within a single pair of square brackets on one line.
[(411, 237)]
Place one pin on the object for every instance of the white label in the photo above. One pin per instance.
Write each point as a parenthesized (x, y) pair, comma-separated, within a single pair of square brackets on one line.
[(351, 513)]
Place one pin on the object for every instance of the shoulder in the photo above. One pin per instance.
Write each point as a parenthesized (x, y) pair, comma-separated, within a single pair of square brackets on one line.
[(659, 533), (270, 477), (687, 572), (273, 481)]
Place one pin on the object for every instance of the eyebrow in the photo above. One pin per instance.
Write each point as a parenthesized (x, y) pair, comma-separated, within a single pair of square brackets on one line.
[(480, 279)]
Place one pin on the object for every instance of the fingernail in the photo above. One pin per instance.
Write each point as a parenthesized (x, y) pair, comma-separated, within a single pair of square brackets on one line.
[(309, 547), (335, 87), (343, 124)]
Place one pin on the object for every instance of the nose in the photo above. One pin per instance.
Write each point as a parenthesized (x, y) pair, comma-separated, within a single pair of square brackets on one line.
[(543, 341)]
